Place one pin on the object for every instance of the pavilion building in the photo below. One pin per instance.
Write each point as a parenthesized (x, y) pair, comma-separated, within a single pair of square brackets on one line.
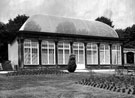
[(47, 41)]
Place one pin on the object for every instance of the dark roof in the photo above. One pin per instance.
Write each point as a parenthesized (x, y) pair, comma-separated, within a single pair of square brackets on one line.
[(54, 24)]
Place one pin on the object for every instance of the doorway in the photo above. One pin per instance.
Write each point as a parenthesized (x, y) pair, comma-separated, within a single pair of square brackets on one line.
[(78, 50)]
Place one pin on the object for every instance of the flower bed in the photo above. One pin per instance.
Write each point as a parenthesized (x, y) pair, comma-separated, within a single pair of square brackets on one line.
[(123, 84), (36, 72)]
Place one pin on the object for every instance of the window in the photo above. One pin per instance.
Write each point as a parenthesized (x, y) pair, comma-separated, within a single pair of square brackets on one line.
[(104, 54), (63, 52), (48, 52), (78, 50), (92, 53), (31, 52), (116, 54)]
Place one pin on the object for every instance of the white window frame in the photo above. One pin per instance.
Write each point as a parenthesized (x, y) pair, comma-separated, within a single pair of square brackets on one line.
[(77, 44), (48, 59), (31, 47), (91, 49), (116, 50), (104, 51), (63, 48)]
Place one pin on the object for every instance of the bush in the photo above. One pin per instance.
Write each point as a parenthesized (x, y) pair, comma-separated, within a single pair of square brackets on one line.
[(71, 63), (36, 72), (7, 66)]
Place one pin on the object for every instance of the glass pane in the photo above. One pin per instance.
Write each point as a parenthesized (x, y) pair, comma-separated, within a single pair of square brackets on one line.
[(76, 54), (44, 44), (81, 57), (66, 56), (34, 44), (89, 57), (27, 58), (116, 54), (102, 60), (44, 56), (60, 45), (107, 56), (34, 56), (95, 57), (102, 47), (67, 45), (51, 56), (60, 56)]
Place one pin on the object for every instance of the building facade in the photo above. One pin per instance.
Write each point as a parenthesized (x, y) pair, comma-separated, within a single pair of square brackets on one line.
[(129, 56), (47, 41)]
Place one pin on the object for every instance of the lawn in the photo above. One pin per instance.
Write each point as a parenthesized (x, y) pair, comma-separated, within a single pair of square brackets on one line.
[(52, 86)]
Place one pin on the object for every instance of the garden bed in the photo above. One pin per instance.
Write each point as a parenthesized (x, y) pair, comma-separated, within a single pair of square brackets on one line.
[(36, 72), (123, 84)]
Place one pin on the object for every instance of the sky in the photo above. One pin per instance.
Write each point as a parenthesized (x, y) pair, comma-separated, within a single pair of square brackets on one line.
[(121, 12)]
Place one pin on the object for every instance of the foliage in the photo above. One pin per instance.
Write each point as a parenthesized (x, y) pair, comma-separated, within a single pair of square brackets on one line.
[(7, 66), (3, 42), (71, 63), (36, 72), (8, 33), (15, 24), (105, 20), (128, 36), (123, 84)]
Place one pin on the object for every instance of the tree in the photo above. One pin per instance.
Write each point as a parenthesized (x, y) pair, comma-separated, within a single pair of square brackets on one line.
[(128, 35), (8, 33), (105, 20), (15, 24), (3, 42)]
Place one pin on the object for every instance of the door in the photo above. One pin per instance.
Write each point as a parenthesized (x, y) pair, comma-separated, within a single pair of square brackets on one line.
[(78, 50)]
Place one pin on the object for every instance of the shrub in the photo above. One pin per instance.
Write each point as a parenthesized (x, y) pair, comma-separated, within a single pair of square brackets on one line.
[(7, 66), (71, 63), (36, 72)]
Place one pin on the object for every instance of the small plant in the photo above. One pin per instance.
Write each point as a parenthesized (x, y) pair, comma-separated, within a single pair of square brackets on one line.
[(71, 63)]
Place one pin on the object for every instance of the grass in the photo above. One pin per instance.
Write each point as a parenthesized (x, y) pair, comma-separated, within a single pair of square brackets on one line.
[(52, 86)]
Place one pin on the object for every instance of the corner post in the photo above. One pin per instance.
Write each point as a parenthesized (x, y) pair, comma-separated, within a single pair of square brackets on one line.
[(40, 56), (56, 53), (20, 53), (110, 55), (98, 44)]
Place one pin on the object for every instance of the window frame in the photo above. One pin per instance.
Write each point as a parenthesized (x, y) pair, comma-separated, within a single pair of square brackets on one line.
[(91, 45), (117, 51), (48, 48), (31, 47), (63, 48), (104, 52)]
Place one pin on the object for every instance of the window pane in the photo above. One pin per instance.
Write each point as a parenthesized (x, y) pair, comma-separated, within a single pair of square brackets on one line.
[(116, 54), (31, 52), (89, 57), (76, 54), (27, 57), (81, 57), (44, 56), (34, 56), (63, 52), (66, 56), (104, 54), (48, 52), (95, 57), (92, 53), (51, 56)]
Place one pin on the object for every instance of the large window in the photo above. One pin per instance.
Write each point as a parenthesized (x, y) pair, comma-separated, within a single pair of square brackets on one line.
[(104, 54), (92, 53), (31, 52), (78, 50), (63, 52), (116, 54), (48, 52)]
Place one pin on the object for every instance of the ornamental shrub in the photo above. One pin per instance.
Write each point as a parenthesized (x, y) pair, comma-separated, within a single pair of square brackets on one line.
[(71, 63)]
